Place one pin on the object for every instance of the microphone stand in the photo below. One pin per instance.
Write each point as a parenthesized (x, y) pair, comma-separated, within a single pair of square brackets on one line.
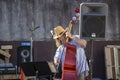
[(91, 58), (93, 35), (31, 41), (31, 51)]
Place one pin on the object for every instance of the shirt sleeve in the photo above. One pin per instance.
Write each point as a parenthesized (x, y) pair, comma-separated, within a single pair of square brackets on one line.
[(58, 53), (74, 42)]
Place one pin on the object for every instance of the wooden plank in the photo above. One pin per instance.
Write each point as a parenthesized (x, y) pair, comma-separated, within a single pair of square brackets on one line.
[(5, 53), (116, 60), (108, 63), (112, 46), (6, 46), (119, 63), (9, 76)]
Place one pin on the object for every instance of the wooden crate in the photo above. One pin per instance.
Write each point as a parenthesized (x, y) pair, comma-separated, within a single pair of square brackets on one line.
[(112, 61)]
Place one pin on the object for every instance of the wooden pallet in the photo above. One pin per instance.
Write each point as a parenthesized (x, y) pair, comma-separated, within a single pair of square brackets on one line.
[(112, 61)]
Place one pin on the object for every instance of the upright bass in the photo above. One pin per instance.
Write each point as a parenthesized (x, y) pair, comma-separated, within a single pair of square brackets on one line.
[(69, 71), (69, 68)]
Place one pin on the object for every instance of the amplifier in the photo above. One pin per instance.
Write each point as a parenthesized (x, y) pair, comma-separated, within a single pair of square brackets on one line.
[(7, 70)]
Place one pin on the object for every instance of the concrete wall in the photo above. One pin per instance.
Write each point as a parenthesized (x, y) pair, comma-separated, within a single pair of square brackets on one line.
[(18, 17)]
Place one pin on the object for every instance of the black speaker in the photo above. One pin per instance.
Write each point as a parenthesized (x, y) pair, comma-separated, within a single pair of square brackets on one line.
[(93, 20), (23, 55)]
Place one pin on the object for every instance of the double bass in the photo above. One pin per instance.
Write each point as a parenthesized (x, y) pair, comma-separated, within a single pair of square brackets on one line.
[(69, 68), (69, 71)]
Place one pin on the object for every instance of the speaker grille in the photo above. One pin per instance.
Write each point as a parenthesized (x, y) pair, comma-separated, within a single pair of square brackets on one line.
[(93, 24), (20, 59)]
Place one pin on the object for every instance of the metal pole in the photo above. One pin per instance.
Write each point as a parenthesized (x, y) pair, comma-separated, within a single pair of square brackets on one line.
[(31, 40), (31, 50), (93, 35)]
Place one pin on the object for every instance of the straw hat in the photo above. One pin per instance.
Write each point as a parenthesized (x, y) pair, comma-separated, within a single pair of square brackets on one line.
[(58, 32)]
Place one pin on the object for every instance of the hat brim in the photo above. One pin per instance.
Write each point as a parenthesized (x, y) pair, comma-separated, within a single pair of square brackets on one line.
[(57, 36)]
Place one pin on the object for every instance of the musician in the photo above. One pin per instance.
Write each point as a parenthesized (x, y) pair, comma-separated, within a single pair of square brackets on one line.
[(60, 36)]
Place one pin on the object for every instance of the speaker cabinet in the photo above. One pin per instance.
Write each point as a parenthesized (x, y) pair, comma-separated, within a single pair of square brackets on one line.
[(93, 19), (23, 55)]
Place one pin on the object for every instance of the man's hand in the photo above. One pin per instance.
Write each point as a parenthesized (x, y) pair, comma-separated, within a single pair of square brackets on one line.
[(56, 62), (69, 35)]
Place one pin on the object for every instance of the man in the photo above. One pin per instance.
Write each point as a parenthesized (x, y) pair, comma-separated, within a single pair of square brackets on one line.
[(60, 36)]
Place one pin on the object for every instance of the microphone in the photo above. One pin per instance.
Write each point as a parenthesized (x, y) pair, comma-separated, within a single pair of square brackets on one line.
[(51, 31), (34, 28)]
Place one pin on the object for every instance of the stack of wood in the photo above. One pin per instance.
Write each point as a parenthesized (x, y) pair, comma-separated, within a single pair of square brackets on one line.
[(5, 65), (112, 61), (4, 51)]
